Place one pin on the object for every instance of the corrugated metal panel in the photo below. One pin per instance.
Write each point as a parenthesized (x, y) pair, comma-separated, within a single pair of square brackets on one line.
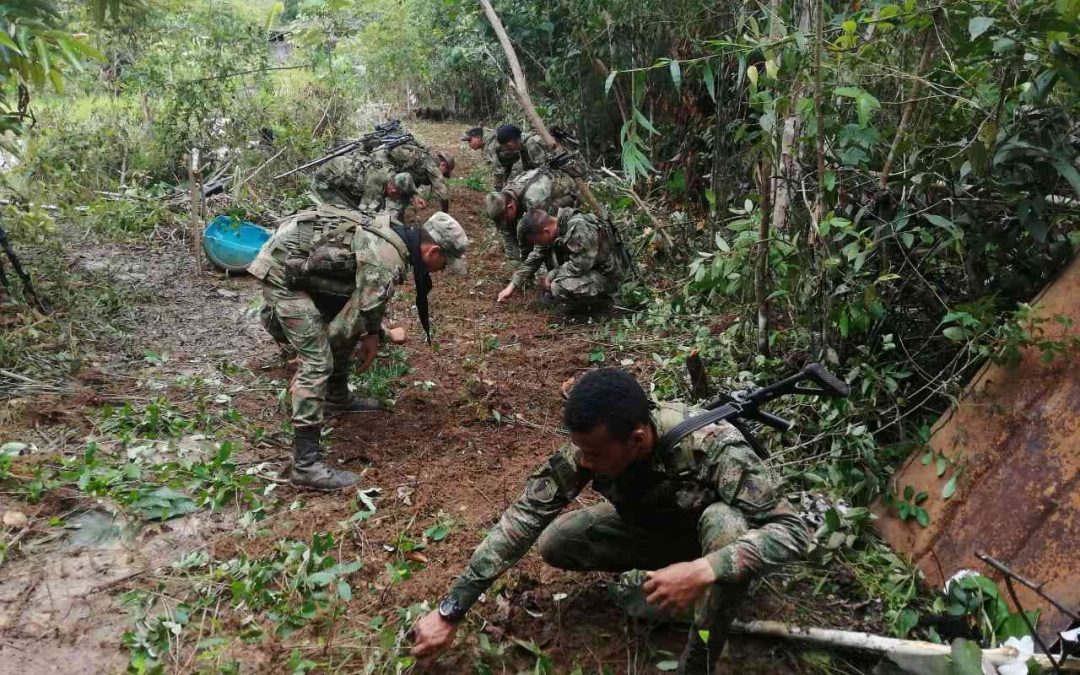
[(1016, 433)]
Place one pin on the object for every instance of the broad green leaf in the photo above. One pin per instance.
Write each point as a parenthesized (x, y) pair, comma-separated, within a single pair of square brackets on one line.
[(610, 81), (667, 666), (676, 73), (710, 80), (966, 658), (922, 517), (752, 74), (6, 41), (978, 25), (644, 121), (955, 333), (950, 488), (1069, 173)]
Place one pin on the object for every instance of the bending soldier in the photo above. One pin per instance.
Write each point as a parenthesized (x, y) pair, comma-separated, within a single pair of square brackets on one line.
[(518, 152), (355, 181), (539, 188), (706, 517), (327, 276), (425, 167), (587, 274), (483, 139)]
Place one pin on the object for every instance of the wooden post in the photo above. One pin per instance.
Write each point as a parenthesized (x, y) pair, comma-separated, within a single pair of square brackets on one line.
[(195, 183), (520, 89)]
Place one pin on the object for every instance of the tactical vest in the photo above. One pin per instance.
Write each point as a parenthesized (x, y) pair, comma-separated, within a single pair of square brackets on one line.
[(322, 259)]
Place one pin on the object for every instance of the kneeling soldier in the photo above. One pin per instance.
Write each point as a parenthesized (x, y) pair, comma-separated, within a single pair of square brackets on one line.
[(356, 181), (706, 517), (327, 277), (539, 188), (585, 274)]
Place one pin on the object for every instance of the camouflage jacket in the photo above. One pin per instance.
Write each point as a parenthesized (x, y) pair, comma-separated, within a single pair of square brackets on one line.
[(420, 162), (713, 464), (581, 246), (541, 188), (382, 260), (532, 155), (356, 181)]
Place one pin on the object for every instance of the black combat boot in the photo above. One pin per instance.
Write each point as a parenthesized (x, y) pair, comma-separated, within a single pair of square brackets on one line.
[(308, 468), (341, 399), (699, 656)]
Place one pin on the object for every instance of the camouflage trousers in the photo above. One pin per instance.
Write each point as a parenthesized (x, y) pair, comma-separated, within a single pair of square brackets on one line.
[(299, 319), (592, 288), (596, 538)]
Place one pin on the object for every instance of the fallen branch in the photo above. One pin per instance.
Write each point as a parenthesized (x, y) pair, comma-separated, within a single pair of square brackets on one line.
[(878, 644)]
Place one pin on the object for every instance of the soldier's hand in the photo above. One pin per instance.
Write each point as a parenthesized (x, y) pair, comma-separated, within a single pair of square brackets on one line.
[(676, 587), (431, 635), (505, 293), (369, 348), (545, 283), (419, 202)]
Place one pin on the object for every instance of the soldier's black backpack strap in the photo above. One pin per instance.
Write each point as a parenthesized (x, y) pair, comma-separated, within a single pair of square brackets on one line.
[(724, 413)]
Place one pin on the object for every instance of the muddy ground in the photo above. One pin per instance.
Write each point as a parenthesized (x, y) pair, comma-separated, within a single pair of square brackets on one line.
[(476, 414)]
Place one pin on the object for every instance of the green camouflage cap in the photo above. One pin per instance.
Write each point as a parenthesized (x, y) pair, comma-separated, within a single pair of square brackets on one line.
[(495, 205), (451, 238), (405, 183)]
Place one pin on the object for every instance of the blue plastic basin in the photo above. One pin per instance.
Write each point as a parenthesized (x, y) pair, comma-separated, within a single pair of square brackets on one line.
[(232, 244)]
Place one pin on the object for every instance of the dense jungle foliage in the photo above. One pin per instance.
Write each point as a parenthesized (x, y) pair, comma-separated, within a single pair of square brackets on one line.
[(881, 186)]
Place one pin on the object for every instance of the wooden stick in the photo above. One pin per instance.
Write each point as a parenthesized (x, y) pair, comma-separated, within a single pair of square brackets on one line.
[(195, 185), (520, 87), (858, 641), (909, 108)]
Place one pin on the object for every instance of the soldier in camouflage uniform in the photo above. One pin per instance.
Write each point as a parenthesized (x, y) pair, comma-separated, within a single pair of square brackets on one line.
[(705, 517), (426, 168), (587, 274), (518, 152), (327, 277), (539, 188), (356, 181), (484, 140)]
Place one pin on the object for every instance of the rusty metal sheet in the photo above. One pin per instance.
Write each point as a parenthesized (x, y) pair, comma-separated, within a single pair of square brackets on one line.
[(1016, 433)]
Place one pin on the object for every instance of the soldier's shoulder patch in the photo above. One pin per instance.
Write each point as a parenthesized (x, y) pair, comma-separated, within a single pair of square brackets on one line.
[(543, 489)]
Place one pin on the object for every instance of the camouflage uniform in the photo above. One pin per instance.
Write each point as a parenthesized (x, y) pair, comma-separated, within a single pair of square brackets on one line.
[(588, 269), (491, 157), (324, 328), (418, 161), (536, 189), (709, 496), (532, 155), (356, 181)]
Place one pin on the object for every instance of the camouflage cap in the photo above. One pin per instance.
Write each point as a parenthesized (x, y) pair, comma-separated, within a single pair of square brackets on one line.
[(448, 234), (495, 205), (405, 183), (472, 133)]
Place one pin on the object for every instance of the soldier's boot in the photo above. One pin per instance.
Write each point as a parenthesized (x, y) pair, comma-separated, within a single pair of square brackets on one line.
[(339, 398), (700, 654), (308, 468)]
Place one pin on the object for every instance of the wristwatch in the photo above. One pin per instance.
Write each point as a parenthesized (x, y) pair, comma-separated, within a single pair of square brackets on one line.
[(451, 610)]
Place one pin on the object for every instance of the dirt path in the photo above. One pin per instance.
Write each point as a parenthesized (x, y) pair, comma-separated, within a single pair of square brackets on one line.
[(477, 412)]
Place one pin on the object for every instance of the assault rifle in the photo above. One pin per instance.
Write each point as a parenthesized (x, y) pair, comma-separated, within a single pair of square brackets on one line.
[(19, 272), (386, 135), (738, 407)]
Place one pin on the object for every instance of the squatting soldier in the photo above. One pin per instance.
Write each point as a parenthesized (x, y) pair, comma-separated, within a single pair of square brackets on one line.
[(327, 277), (518, 152), (539, 188), (356, 181), (483, 139), (705, 517), (588, 273), (426, 168)]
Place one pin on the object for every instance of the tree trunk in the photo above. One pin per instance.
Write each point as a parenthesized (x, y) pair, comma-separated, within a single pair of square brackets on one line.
[(761, 269)]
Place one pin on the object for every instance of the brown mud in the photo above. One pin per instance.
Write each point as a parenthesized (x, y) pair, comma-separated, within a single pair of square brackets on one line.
[(476, 414)]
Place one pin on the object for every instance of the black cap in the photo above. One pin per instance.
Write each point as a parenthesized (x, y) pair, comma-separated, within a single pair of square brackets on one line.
[(472, 133), (507, 132)]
